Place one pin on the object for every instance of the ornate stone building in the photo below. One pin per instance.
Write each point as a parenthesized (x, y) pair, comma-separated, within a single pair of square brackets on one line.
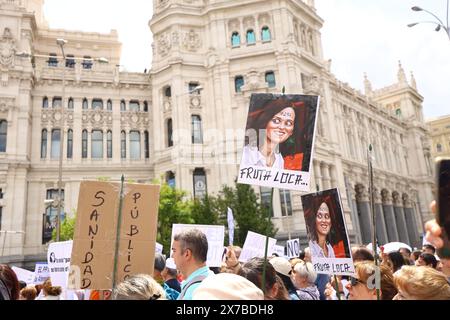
[(184, 121), (440, 135)]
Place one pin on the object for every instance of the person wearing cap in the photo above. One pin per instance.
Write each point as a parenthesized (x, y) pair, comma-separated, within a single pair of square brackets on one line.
[(227, 286), (190, 249), (284, 270)]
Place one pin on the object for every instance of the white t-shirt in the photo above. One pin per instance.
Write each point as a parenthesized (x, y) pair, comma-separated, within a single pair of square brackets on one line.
[(252, 157)]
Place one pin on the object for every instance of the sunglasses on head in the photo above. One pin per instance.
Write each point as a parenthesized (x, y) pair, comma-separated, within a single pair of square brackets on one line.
[(354, 281)]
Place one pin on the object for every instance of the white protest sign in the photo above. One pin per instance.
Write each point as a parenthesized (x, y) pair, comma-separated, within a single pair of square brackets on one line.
[(215, 236), (279, 250), (230, 220), (158, 248), (290, 168), (58, 258), (293, 248), (255, 245), (23, 275), (41, 272), (327, 233)]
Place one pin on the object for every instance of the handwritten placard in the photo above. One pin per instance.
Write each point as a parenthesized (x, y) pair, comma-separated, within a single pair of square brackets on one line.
[(255, 245), (41, 272), (293, 248), (215, 236), (58, 259)]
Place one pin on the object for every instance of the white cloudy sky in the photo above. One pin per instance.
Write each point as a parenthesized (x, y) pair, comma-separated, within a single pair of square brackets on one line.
[(359, 36)]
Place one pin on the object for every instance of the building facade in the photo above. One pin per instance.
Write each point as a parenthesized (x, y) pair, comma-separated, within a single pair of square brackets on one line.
[(184, 120), (440, 135)]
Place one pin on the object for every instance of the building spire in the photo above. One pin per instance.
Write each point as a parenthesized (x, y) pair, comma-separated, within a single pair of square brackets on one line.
[(367, 85), (401, 73)]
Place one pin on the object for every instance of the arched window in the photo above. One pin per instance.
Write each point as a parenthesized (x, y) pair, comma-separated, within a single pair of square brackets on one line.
[(197, 135), (146, 144), (97, 144), (167, 92), (97, 104), (123, 145), (44, 144), (57, 102), (251, 39), (238, 83), (109, 144), (135, 145), (270, 79), (169, 133), (56, 143), (235, 39), (170, 179), (109, 105), (123, 106), (145, 106), (3, 135), (45, 103), (439, 147), (84, 144), (134, 105), (69, 144), (70, 103), (85, 104), (199, 183), (265, 34)]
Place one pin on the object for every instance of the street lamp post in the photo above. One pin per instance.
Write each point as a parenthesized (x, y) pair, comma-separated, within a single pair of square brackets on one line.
[(439, 24)]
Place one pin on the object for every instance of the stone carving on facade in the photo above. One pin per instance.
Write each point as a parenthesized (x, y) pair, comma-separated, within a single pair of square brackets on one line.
[(303, 36), (253, 80), (313, 85), (195, 101), (135, 119), (7, 104), (361, 193), (167, 105), (249, 22), (386, 197), (401, 74), (164, 45), (192, 41), (53, 117), (376, 196), (7, 49), (396, 199), (175, 38), (406, 201)]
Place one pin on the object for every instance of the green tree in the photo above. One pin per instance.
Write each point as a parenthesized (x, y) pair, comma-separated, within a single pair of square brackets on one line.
[(206, 210), (67, 229), (173, 208)]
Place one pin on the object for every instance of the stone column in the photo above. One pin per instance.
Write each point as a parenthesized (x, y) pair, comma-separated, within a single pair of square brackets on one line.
[(362, 200), (389, 216), (317, 176), (349, 185), (400, 218), (411, 223), (382, 235), (325, 169)]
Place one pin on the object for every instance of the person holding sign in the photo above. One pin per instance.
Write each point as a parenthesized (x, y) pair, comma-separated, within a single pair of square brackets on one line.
[(274, 132)]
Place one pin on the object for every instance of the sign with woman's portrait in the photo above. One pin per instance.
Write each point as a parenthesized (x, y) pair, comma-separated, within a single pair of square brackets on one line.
[(327, 233), (279, 141)]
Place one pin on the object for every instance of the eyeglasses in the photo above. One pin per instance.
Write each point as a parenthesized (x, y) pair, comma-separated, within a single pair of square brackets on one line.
[(354, 281)]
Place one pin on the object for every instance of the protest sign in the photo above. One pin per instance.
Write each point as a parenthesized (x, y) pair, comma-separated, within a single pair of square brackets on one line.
[(41, 272), (215, 236), (58, 259), (23, 275), (230, 220), (255, 245), (293, 248), (279, 250), (93, 256), (279, 141), (158, 248), (327, 233)]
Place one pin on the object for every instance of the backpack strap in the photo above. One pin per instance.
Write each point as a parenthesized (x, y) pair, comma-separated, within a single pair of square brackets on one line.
[(195, 280)]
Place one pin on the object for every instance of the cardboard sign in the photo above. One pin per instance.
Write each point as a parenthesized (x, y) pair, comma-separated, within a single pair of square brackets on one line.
[(58, 259), (93, 256), (255, 245), (327, 233), (293, 248), (41, 272), (279, 141), (215, 236), (23, 275), (279, 250)]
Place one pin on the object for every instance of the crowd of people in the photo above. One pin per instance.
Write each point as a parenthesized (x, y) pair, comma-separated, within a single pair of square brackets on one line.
[(417, 275)]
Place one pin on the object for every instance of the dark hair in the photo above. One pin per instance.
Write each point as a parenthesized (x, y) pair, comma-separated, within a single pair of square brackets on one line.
[(172, 272), (397, 260), (429, 259), (22, 284), (194, 240), (262, 110), (416, 254), (252, 270), (302, 254), (10, 283), (429, 246), (362, 254), (160, 262)]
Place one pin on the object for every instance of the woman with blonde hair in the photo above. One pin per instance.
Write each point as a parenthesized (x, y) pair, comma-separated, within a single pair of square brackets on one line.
[(303, 277), (139, 287), (421, 283)]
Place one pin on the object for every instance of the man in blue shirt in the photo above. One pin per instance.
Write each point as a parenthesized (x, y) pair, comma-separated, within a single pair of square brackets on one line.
[(190, 249)]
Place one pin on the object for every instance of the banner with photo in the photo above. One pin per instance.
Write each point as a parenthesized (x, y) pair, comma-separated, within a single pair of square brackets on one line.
[(327, 233), (279, 141)]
